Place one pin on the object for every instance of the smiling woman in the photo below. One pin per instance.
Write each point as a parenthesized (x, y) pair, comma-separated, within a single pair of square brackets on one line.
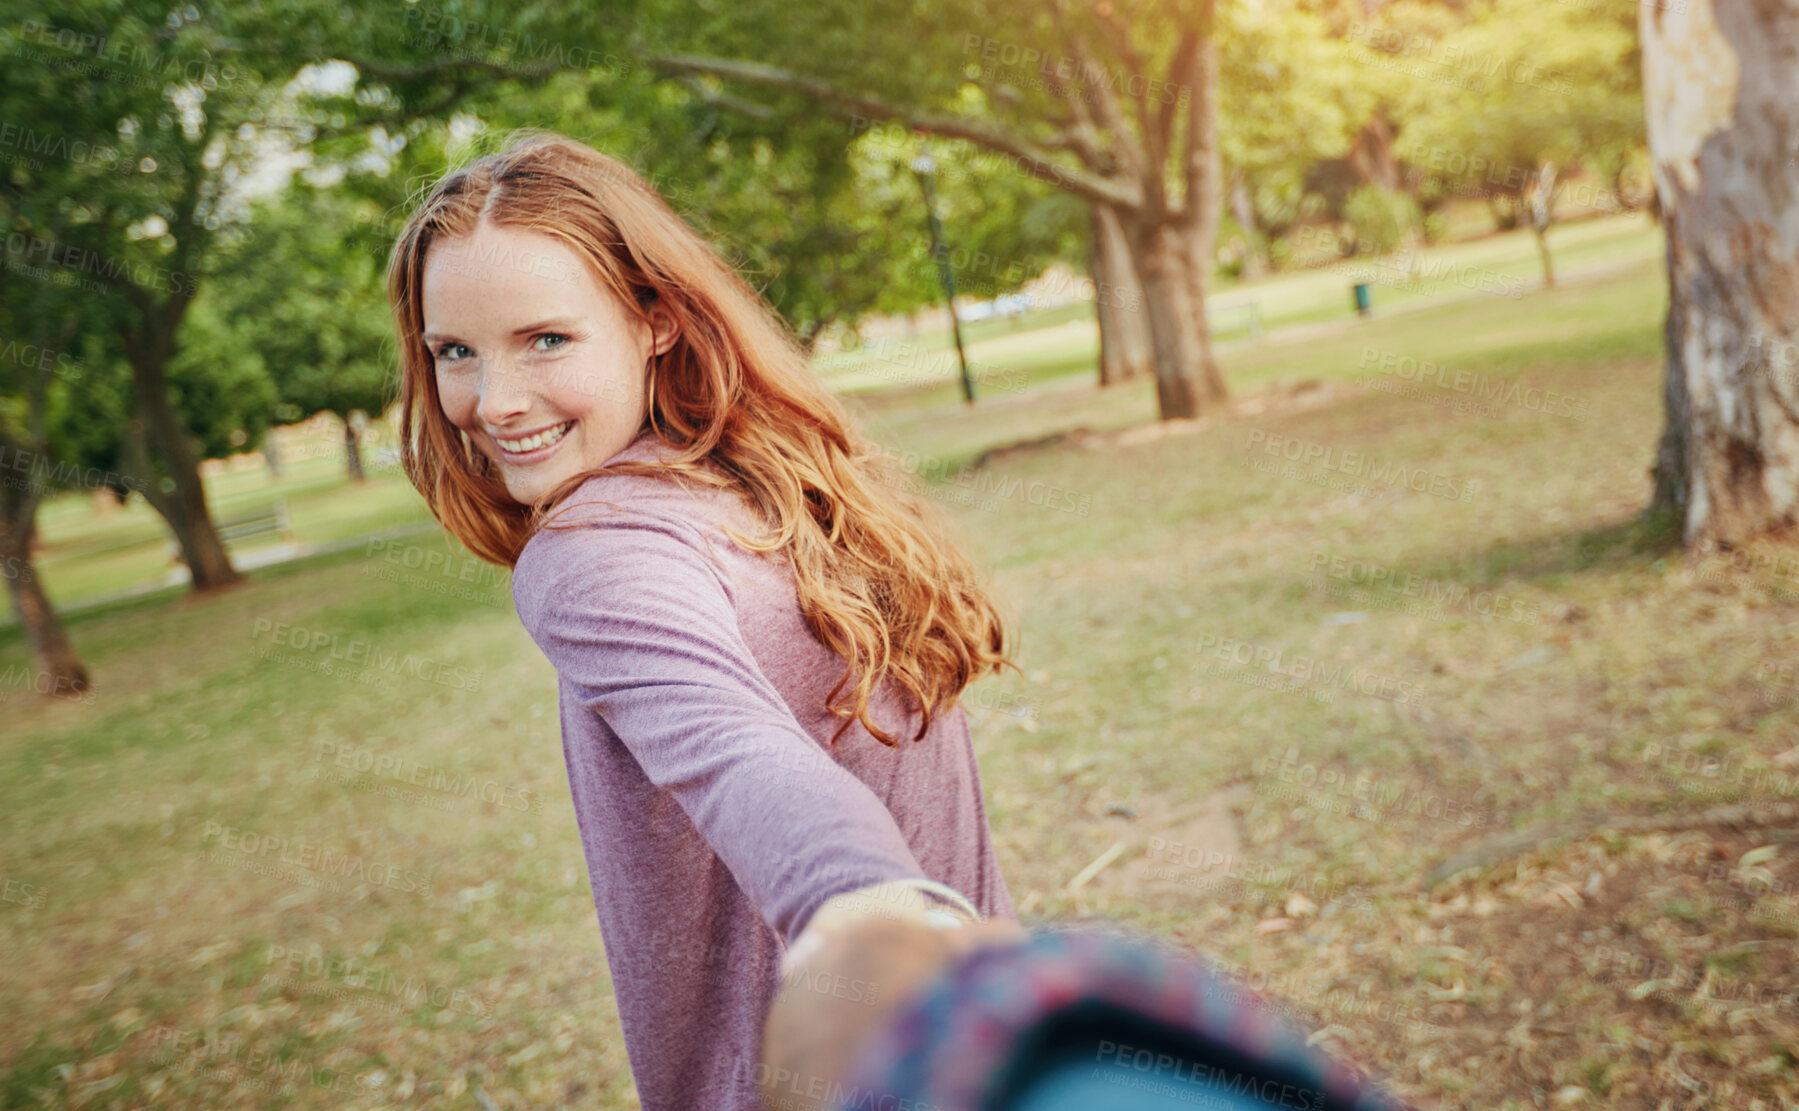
[(535, 361), (748, 618)]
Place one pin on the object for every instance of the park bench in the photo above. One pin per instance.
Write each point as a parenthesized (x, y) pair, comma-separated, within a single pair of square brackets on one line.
[(255, 522), (251, 522)]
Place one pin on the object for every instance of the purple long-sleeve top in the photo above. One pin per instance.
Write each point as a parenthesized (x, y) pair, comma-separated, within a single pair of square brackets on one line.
[(713, 816)]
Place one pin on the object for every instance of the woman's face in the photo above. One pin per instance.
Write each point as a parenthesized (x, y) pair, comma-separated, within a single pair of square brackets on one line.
[(536, 359)]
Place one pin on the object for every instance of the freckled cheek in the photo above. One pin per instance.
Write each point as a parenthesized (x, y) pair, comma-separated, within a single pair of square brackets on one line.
[(458, 399)]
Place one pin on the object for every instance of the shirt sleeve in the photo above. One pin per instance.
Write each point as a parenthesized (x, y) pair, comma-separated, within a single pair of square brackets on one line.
[(639, 622)]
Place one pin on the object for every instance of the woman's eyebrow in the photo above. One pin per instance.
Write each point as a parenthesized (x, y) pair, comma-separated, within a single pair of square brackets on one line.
[(545, 325), (539, 326)]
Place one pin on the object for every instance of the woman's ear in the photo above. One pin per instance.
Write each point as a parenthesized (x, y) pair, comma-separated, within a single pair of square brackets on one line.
[(664, 329)]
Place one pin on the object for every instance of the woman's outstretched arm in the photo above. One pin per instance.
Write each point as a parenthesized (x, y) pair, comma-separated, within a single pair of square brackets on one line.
[(640, 622)]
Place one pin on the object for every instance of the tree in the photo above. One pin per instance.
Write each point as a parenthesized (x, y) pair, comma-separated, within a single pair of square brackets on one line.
[(1513, 100), (314, 302), (1118, 111), (1292, 104), (151, 120), (36, 361), (1724, 134)]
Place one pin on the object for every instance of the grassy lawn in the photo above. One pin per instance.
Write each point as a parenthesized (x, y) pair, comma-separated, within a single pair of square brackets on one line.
[(1276, 683), (88, 554), (1005, 355)]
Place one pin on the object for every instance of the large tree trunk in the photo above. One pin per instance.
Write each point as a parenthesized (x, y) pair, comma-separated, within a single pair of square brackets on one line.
[(183, 507), (1723, 123), (1195, 236), (353, 450), (1125, 351), (60, 668), (1187, 376)]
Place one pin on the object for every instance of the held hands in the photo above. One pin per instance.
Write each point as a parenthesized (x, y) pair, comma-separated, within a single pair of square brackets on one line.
[(863, 954)]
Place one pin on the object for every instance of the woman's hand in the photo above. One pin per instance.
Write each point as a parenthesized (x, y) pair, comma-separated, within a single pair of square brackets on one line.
[(862, 955)]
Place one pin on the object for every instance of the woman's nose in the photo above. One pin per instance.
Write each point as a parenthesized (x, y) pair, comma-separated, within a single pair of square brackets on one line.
[(503, 396)]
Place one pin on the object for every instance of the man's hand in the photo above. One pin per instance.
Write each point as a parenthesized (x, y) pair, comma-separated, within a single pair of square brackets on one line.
[(861, 956)]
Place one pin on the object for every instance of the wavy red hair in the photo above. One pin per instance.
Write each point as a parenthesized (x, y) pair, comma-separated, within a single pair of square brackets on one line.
[(878, 580)]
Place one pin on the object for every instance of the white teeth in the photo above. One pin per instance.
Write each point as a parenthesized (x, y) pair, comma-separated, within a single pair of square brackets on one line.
[(532, 443)]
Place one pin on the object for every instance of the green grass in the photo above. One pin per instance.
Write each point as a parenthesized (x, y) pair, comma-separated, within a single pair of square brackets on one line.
[(1126, 726), (1062, 341), (88, 554)]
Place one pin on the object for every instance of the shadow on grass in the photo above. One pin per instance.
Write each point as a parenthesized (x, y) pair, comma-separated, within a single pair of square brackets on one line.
[(1636, 542)]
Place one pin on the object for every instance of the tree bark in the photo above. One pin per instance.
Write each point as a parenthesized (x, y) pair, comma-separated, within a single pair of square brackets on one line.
[(184, 506), (271, 453), (1371, 155), (61, 669), (353, 451), (1125, 351), (1187, 377), (1541, 233), (1723, 126), (1542, 214), (1202, 209)]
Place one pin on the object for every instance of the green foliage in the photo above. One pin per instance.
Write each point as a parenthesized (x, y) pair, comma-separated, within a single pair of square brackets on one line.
[(1382, 219), (306, 302), (1518, 85)]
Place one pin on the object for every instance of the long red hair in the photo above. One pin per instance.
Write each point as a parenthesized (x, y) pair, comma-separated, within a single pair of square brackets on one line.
[(878, 580)]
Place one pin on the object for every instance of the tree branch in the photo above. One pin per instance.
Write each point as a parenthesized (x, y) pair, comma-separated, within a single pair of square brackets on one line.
[(844, 104)]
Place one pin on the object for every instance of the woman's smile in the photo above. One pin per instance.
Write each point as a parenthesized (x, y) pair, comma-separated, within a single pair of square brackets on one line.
[(534, 446)]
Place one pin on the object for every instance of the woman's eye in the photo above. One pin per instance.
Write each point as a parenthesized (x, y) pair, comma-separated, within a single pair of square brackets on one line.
[(549, 341), (453, 350)]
